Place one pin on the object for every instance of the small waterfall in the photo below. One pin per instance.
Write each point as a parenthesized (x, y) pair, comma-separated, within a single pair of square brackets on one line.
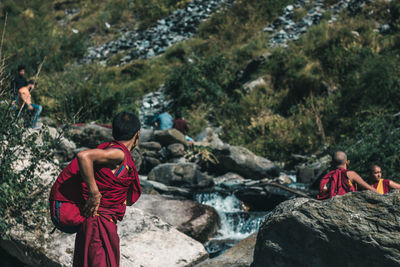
[(236, 223)]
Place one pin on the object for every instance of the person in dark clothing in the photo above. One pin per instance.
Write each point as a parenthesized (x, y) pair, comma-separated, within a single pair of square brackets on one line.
[(180, 124), (19, 81)]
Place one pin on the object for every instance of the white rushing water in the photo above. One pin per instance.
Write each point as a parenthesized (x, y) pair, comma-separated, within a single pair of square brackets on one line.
[(236, 223)]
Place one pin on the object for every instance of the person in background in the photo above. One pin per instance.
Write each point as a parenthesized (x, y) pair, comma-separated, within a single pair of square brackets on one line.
[(25, 101), (181, 125), (18, 81), (163, 121), (383, 186), (341, 180)]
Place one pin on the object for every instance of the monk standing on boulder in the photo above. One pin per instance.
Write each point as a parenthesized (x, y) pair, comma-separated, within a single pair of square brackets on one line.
[(110, 182), (341, 181), (383, 186)]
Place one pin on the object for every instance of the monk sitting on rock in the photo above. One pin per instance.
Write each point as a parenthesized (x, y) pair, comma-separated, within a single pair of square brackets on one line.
[(383, 186), (341, 181)]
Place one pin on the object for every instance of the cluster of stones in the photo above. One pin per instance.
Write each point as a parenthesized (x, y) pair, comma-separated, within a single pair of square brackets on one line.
[(180, 25), (151, 105), (285, 29), (168, 166)]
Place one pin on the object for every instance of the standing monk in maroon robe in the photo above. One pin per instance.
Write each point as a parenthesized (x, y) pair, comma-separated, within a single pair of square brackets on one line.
[(110, 182)]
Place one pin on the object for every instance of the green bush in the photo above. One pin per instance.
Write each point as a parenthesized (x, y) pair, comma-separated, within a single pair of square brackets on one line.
[(22, 154), (197, 82), (36, 35), (375, 140)]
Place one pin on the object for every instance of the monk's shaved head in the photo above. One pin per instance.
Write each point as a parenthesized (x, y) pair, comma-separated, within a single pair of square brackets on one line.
[(339, 158)]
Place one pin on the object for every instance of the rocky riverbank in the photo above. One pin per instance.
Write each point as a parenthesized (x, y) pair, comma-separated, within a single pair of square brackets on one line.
[(167, 227), (174, 173)]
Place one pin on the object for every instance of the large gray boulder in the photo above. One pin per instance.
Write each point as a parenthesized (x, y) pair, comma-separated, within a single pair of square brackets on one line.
[(177, 174), (240, 255), (242, 161), (168, 137), (90, 135), (356, 229), (145, 240), (194, 219)]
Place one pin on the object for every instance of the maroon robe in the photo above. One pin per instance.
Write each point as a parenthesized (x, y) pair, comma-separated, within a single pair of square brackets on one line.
[(386, 187), (97, 241), (181, 125)]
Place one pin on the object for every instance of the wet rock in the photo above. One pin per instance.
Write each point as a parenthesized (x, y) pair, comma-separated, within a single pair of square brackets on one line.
[(262, 198), (242, 161), (196, 220), (180, 174), (241, 255), (304, 232), (230, 181)]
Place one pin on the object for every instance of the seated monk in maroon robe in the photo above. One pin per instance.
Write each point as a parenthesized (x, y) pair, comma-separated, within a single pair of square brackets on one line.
[(110, 182), (383, 186)]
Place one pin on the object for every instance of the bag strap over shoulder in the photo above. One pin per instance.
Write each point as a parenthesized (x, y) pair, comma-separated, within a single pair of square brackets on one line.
[(125, 165)]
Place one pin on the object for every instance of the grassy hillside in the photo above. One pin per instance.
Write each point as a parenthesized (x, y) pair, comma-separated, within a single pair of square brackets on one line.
[(337, 86)]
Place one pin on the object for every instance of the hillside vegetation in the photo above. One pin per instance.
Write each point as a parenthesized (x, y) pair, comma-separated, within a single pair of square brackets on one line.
[(336, 87)]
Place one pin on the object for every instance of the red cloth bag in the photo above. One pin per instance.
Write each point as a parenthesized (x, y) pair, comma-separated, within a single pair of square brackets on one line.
[(335, 183), (69, 192)]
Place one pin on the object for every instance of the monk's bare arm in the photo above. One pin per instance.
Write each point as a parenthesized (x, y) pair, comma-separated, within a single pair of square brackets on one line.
[(25, 95), (86, 160), (355, 178), (394, 185)]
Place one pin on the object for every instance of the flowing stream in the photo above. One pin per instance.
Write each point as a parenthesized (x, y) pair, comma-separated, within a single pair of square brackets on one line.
[(236, 223)]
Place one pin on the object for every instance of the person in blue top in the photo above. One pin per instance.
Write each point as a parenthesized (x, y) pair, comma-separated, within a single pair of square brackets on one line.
[(163, 121)]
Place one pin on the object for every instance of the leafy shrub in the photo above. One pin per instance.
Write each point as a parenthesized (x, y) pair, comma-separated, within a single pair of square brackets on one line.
[(375, 140), (197, 82), (36, 35), (22, 157)]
